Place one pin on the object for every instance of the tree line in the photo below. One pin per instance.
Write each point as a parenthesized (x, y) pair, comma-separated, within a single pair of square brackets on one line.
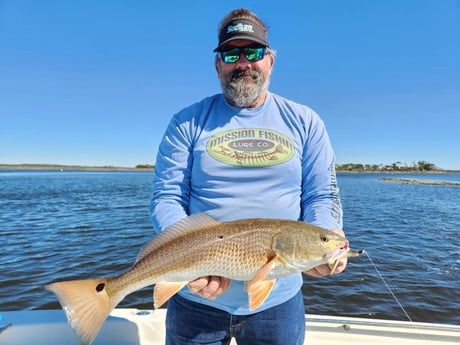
[(419, 166)]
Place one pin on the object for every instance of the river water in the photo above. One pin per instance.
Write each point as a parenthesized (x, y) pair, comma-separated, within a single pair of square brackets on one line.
[(78, 224)]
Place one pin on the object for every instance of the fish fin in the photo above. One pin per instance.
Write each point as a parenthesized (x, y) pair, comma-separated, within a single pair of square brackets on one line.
[(258, 292), (258, 288), (191, 223), (163, 291), (87, 304), (264, 271)]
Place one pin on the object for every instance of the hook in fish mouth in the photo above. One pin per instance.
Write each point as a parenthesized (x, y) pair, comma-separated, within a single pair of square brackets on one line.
[(341, 253), (337, 253)]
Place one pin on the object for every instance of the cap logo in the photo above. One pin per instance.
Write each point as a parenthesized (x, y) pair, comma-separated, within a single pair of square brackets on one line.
[(240, 27)]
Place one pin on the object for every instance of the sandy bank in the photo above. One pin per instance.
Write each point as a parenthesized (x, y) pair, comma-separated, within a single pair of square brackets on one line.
[(425, 182)]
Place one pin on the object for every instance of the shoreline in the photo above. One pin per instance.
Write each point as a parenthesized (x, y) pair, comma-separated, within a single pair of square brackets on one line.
[(423, 182), (393, 172), (60, 167), (42, 166)]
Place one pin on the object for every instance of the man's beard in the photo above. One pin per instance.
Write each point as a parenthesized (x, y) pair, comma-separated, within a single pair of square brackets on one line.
[(244, 88)]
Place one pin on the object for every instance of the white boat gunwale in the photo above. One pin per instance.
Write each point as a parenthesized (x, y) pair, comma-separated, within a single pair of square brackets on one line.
[(129, 326)]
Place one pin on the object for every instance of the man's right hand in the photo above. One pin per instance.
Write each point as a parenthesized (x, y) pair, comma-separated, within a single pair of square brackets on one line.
[(210, 286)]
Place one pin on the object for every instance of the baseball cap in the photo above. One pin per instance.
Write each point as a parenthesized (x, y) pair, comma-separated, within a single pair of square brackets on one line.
[(242, 29)]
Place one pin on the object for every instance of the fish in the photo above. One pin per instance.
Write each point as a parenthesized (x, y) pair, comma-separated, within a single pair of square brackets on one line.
[(256, 251)]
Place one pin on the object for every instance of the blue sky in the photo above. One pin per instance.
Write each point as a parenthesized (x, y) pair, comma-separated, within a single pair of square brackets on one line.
[(96, 82)]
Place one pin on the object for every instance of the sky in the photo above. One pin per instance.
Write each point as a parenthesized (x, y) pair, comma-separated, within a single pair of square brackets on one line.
[(96, 82)]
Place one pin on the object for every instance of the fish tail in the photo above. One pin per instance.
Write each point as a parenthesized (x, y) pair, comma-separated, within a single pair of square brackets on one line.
[(87, 304)]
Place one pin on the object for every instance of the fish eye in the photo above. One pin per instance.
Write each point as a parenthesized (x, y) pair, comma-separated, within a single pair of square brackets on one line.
[(100, 287), (324, 239)]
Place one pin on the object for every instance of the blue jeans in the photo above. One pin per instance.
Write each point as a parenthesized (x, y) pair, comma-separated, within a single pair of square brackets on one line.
[(193, 323)]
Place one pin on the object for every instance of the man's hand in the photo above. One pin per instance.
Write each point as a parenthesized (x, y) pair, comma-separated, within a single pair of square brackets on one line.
[(210, 286), (325, 269)]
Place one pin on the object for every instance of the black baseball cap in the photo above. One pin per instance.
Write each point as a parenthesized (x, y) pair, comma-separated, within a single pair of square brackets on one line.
[(242, 29)]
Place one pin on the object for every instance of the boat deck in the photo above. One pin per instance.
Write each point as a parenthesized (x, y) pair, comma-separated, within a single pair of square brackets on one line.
[(138, 327)]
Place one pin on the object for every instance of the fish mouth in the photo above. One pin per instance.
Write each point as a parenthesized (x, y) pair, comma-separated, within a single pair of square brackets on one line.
[(337, 254), (334, 257)]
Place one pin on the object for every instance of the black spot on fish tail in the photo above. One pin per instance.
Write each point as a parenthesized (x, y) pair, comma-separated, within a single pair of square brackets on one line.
[(100, 287)]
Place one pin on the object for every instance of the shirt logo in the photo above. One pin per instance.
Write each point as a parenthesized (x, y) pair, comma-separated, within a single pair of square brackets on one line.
[(250, 147), (240, 27)]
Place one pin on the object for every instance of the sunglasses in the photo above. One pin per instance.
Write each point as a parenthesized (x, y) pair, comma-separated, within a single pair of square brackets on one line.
[(250, 53)]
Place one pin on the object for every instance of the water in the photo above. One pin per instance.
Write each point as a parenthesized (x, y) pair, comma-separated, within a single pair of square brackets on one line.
[(57, 225)]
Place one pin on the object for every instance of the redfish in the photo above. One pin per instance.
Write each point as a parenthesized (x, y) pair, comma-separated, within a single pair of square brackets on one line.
[(257, 251)]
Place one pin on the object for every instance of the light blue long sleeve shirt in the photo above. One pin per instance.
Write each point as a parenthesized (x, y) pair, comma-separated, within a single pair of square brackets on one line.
[(274, 161)]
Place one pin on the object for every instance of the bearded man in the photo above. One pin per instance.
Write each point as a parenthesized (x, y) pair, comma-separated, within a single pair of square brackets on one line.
[(244, 153)]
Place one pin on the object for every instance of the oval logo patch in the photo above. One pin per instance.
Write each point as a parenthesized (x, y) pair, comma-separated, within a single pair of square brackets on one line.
[(251, 147)]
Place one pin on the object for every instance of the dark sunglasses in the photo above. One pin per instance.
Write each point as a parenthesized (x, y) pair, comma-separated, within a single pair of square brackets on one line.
[(250, 53)]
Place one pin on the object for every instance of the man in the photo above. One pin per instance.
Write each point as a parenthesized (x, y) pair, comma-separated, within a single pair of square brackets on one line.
[(245, 153)]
